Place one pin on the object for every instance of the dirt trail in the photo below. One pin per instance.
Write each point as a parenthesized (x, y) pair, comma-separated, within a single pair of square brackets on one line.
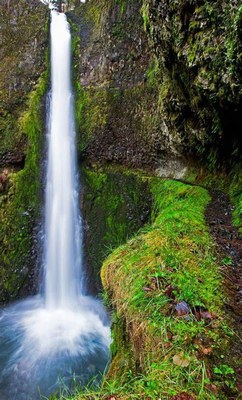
[(229, 250)]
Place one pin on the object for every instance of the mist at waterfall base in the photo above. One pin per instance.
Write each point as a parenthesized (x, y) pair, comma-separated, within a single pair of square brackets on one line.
[(50, 341)]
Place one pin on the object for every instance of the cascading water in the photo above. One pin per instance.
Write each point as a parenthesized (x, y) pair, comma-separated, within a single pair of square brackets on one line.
[(63, 244), (48, 339)]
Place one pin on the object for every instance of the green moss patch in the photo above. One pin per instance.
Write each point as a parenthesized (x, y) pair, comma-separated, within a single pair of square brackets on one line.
[(20, 206), (169, 331), (165, 284), (115, 205), (23, 46)]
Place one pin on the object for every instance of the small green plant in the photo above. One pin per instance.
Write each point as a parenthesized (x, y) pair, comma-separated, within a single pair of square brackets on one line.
[(223, 369), (227, 261)]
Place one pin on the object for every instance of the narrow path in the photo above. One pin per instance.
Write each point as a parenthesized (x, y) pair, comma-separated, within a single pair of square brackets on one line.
[(229, 251)]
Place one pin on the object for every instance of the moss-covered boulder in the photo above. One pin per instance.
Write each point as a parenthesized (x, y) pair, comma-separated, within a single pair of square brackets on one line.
[(170, 330)]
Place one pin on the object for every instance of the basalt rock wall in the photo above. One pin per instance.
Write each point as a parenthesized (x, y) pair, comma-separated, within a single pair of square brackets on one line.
[(198, 46), (116, 105), (159, 80)]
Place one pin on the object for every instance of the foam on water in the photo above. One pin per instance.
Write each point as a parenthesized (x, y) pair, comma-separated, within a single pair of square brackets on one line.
[(42, 350)]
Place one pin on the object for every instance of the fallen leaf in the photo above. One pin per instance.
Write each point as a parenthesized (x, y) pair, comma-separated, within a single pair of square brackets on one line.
[(206, 350), (169, 335), (201, 313), (169, 292), (180, 360), (147, 289), (212, 388), (206, 315)]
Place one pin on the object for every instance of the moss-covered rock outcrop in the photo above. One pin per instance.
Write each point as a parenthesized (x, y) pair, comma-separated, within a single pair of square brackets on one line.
[(21, 203), (116, 106), (198, 46), (24, 38), (173, 90), (161, 284), (115, 205), (170, 331), (22, 55)]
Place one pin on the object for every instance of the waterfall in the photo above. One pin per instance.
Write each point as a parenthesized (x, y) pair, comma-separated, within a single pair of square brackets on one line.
[(63, 243), (62, 336)]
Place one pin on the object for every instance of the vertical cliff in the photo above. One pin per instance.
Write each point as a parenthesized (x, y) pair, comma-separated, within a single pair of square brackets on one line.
[(158, 81), (198, 47), (116, 108), (23, 84), (22, 55)]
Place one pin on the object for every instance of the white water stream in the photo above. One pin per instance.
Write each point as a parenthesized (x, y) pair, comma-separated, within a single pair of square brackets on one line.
[(48, 339), (63, 243)]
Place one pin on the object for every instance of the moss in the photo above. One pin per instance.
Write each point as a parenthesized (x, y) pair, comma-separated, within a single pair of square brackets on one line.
[(156, 353), (120, 202), (92, 110), (20, 208), (23, 43), (198, 49), (153, 72), (176, 251)]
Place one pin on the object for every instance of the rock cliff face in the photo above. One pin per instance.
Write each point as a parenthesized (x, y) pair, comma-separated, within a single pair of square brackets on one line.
[(155, 81), (198, 45), (22, 60), (23, 36), (116, 105), (174, 91)]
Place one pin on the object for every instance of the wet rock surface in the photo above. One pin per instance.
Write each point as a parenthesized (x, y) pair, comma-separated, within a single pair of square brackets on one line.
[(23, 42), (198, 45), (119, 121), (165, 84)]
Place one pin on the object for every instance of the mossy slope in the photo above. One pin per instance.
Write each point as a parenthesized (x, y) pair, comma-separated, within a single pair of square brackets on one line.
[(160, 351)]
